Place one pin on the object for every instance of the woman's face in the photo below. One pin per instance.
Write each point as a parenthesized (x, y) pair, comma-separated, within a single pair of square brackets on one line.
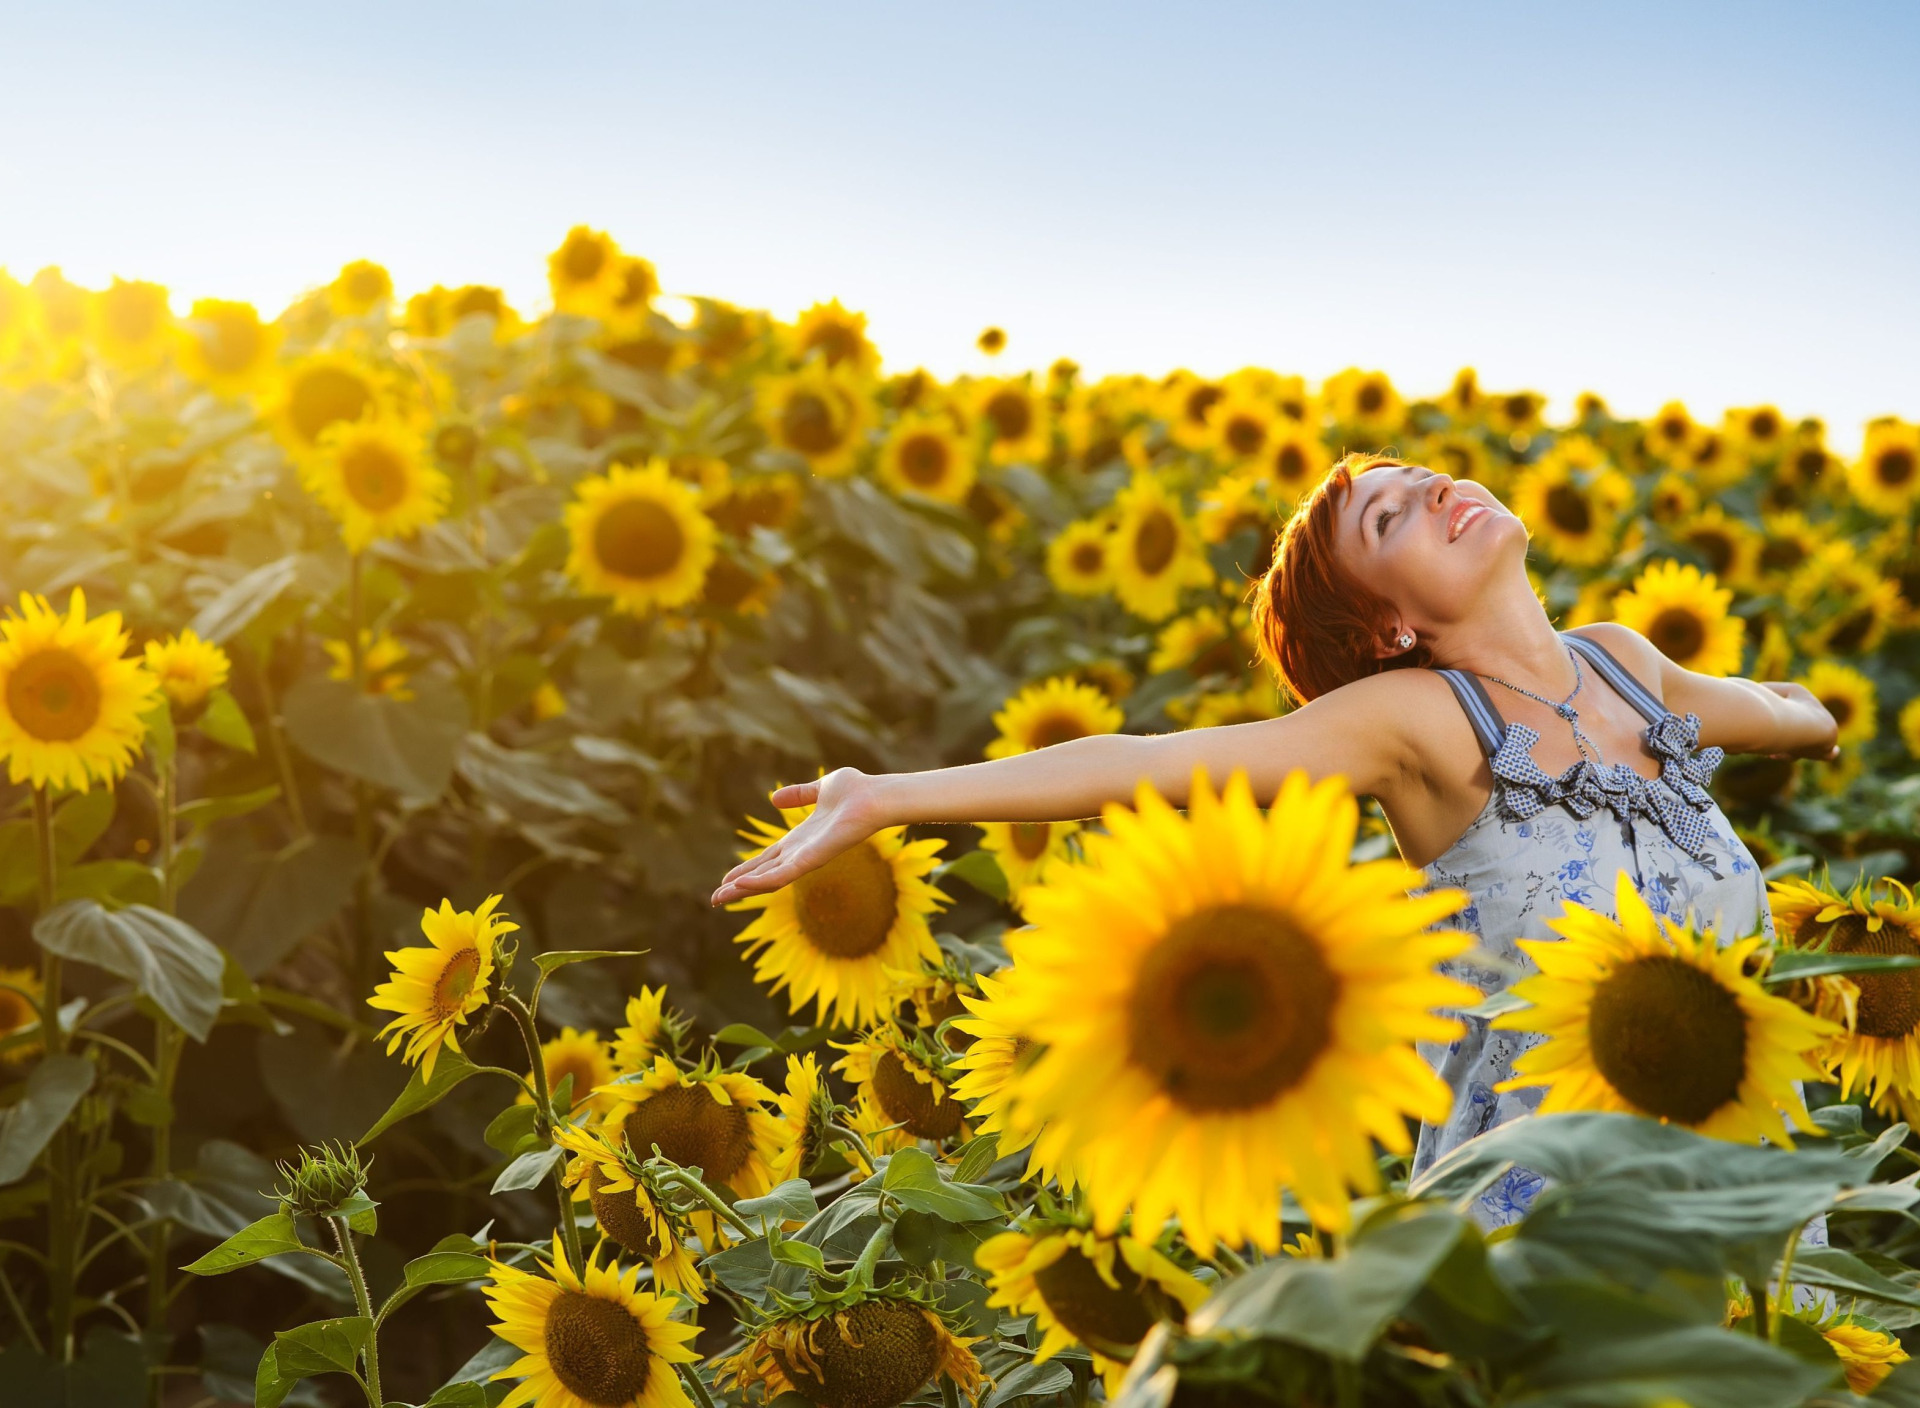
[(1428, 543)]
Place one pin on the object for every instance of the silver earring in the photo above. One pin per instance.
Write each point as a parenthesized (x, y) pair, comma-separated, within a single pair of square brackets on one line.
[(1405, 642)]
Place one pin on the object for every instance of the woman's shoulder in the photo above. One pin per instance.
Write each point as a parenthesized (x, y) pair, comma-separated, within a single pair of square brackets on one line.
[(1639, 656), (1417, 707)]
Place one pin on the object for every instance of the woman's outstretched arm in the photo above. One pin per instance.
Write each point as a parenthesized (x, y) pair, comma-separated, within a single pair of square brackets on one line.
[(1357, 732)]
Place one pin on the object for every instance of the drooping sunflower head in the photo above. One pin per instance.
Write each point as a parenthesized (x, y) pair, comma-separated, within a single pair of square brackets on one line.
[(1882, 1052), (584, 273), (361, 287), (1026, 850), (836, 337), (651, 1028), (836, 935), (1649, 1017), (131, 323), (925, 455), (594, 1340), (705, 1118), (187, 668), (21, 993), (1056, 710), (1867, 1353), (374, 477), (322, 390), (871, 1350), (1886, 477), (1015, 420), (70, 698), (436, 986), (629, 1208), (1849, 696), (225, 347), (1078, 558), (1684, 612), (640, 537), (1227, 1006), (1156, 552), (906, 1081), (806, 1108), (817, 413)]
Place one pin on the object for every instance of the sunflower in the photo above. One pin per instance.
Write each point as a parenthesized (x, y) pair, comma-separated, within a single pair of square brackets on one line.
[(321, 390), (1366, 404), (1103, 1292), (1729, 547), (1156, 553), (585, 274), (1572, 501), (830, 334), (60, 308), (806, 1108), (436, 986), (709, 476), (1258, 701), (762, 501), (816, 413), (131, 324), (1804, 468), (187, 668), (1463, 398), (1078, 558), (1788, 542), (999, 1051), (1849, 696), (865, 1349), (16, 309), (1459, 456), (1026, 850), (925, 455), (1017, 427), (1684, 614), (706, 1118), (1909, 725), (1514, 415), (382, 663), (225, 347), (650, 1030), (1672, 500), (1231, 504), (374, 477), (361, 287), (21, 993), (1671, 434), (1760, 432), (70, 699), (906, 1083), (585, 1057), (1295, 461), (1882, 1053), (640, 537), (833, 936), (992, 341), (1186, 403), (1867, 1353), (1244, 426), (1886, 477), (1202, 643), (1653, 1018), (1228, 1005), (594, 1340), (1846, 604), (1056, 710), (628, 1209)]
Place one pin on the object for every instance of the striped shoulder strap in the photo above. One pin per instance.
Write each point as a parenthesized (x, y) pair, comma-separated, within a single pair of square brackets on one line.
[(1488, 726), (1615, 674)]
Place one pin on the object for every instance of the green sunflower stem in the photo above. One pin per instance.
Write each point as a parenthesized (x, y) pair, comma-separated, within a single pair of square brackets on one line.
[(350, 1259), (862, 1273), (62, 1228), (569, 1229), (949, 1393), (1785, 1298), (690, 1376), (1762, 1320), (168, 1040), (713, 1200)]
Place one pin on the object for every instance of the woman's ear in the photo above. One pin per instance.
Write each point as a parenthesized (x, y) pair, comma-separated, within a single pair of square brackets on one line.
[(1397, 640)]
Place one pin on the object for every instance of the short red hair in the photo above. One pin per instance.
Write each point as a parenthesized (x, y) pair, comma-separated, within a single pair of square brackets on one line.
[(1318, 624)]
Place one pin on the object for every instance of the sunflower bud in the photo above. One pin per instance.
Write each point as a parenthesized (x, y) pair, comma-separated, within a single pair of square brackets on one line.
[(325, 1180)]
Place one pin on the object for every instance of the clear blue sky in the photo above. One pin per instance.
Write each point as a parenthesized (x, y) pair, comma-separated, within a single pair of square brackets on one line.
[(1714, 201)]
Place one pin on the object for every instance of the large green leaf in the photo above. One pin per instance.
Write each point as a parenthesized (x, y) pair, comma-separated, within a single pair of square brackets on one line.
[(165, 957), (519, 781), (913, 1179), (1833, 1269), (449, 1070), (405, 745), (53, 1089), (230, 611), (529, 1170), (225, 722), (273, 1235), (77, 823), (260, 905), (321, 1347)]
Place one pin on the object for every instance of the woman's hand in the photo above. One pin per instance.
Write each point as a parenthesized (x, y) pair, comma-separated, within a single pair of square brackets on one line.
[(1823, 747), (845, 813)]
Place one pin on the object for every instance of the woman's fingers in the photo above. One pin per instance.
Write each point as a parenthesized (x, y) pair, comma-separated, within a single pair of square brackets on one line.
[(796, 794)]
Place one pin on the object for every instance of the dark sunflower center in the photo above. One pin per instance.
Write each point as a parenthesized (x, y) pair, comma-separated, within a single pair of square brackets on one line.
[(1098, 1314), (808, 424), (53, 696), (1200, 400), (876, 1355), (597, 1349), (374, 476), (1764, 425), (728, 584), (1707, 452), (1889, 1002), (324, 396), (455, 983), (1011, 413), (1852, 630), (583, 258), (1088, 558), (836, 342), (1669, 1038), (1810, 463), (1679, 633), (230, 341), (1894, 467), (1245, 434), (1716, 547), (15, 1013), (1840, 707), (1290, 465), (924, 460), (692, 1129), (1569, 510), (456, 444), (620, 1217), (846, 907), (1231, 1008), (1050, 729), (1372, 398), (1154, 542), (638, 538), (1782, 554), (1519, 407), (1030, 838), (910, 1104), (1674, 430)]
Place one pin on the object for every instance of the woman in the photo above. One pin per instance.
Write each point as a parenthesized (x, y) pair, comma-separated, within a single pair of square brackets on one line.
[(1522, 765)]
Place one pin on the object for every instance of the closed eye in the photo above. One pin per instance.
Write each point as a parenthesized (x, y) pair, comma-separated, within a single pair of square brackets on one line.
[(1380, 521)]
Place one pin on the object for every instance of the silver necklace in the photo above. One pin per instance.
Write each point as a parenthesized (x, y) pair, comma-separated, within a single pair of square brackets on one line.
[(1564, 708)]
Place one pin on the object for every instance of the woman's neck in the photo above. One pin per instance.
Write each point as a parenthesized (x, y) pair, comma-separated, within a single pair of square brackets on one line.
[(1511, 637)]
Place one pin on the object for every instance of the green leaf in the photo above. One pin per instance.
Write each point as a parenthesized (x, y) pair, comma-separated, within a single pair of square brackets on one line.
[(560, 958), (506, 1130), (1029, 1381), (1832, 1269), (421, 1094), (519, 780), (148, 1106), (115, 883), (270, 1386), (976, 1158), (458, 1396), (52, 1090), (221, 1196), (799, 1254), (230, 611), (404, 745), (445, 1269), (272, 1235), (322, 1347), (741, 1034), (913, 1179), (1791, 967), (77, 824), (979, 869), (792, 1201), (361, 1214), (225, 722), (166, 958), (921, 1239), (528, 1170), (204, 811), (260, 906)]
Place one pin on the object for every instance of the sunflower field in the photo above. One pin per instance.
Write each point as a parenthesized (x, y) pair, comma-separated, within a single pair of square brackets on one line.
[(386, 684)]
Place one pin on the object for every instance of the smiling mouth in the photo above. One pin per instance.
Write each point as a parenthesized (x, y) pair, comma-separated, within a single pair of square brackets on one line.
[(1463, 518)]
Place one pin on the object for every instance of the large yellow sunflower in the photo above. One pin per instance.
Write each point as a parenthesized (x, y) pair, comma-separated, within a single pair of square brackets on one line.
[(361, 287), (590, 1341), (905, 1084), (640, 537), (1882, 1052), (1229, 1006), (1849, 696), (706, 1118), (131, 323), (436, 986), (374, 477), (879, 1349), (585, 1057), (584, 273), (1245, 425), (186, 668), (816, 413), (837, 337), (321, 390), (1079, 558), (1648, 1017), (225, 347), (1730, 547), (1572, 501), (1886, 477), (1760, 432), (1671, 434), (835, 935), (1366, 404), (21, 993), (1018, 428), (1186, 404), (1684, 613), (925, 455), (1155, 551), (1102, 1292), (1026, 850), (629, 1211), (70, 699), (1056, 710), (1295, 461)]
